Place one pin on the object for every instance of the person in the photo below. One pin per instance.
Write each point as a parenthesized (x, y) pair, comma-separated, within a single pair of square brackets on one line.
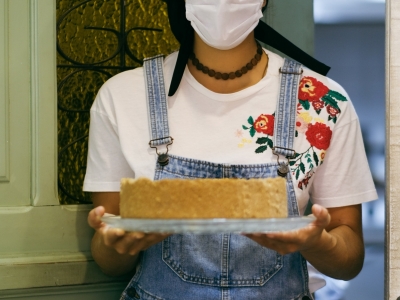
[(236, 107)]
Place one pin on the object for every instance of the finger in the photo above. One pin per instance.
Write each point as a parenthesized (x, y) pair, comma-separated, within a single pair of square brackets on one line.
[(94, 217), (322, 216), (111, 235), (131, 242), (146, 242)]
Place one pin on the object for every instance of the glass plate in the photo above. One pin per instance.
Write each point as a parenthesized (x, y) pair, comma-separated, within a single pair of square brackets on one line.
[(203, 226)]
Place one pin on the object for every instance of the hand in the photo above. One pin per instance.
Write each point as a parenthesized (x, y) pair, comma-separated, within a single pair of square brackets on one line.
[(303, 239), (120, 240)]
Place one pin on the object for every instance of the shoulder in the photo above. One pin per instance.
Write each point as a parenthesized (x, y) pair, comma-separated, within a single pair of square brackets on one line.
[(325, 98), (125, 86)]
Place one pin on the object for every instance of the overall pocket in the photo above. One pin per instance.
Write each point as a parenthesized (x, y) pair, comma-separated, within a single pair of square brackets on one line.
[(222, 260)]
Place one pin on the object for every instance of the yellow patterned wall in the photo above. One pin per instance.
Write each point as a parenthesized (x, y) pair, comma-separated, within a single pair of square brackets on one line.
[(97, 39)]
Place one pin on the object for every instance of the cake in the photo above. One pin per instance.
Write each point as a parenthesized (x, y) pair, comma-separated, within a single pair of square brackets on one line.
[(203, 198)]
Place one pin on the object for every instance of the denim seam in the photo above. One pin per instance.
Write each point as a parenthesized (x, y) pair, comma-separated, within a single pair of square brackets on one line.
[(206, 163), (157, 100), (286, 109)]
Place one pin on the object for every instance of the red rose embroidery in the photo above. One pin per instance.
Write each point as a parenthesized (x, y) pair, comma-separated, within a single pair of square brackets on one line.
[(332, 111), (318, 105), (305, 181), (265, 124), (311, 89), (319, 135)]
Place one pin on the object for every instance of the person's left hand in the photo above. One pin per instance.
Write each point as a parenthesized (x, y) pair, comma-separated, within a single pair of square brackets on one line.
[(297, 240)]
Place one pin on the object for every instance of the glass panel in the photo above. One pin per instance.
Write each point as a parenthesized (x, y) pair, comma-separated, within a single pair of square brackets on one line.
[(96, 39)]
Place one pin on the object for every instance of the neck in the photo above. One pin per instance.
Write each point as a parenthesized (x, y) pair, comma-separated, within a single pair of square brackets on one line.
[(227, 61)]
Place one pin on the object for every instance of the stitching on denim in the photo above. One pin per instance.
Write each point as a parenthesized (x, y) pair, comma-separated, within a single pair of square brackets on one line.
[(156, 99), (206, 163)]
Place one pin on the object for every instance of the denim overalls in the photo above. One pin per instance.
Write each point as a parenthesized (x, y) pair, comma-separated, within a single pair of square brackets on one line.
[(220, 266)]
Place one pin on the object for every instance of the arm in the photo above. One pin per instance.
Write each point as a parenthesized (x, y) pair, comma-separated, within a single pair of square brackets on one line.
[(114, 250), (340, 251), (333, 243)]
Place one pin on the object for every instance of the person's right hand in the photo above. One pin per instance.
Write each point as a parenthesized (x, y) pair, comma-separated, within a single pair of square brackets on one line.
[(122, 241)]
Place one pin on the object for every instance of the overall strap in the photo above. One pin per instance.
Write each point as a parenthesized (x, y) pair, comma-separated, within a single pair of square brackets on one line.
[(285, 116), (156, 100), (157, 106)]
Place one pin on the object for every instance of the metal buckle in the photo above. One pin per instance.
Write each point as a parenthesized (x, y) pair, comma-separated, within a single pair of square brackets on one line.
[(163, 158), (283, 168), (294, 73), (288, 157)]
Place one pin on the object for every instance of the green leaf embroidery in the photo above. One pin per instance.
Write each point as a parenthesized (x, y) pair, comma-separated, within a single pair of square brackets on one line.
[(309, 160), (297, 174), (305, 104), (262, 140), (250, 120), (316, 158), (334, 120), (302, 168), (252, 131), (244, 127), (337, 96), (330, 101), (318, 111), (296, 134), (261, 149), (292, 162), (270, 143), (297, 155)]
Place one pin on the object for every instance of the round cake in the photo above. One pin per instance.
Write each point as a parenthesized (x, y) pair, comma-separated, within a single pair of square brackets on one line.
[(203, 198)]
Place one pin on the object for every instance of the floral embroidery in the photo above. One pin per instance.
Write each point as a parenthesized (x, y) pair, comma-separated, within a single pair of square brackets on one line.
[(301, 124), (243, 142), (311, 89), (315, 92), (319, 135), (302, 161), (304, 182), (239, 133), (318, 106), (264, 124), (322, 155)]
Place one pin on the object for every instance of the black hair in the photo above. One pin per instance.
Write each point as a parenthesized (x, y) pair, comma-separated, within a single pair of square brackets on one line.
[(184, 33)]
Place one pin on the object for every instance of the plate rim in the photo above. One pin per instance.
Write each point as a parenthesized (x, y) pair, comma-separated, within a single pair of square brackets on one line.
[(205, 225)]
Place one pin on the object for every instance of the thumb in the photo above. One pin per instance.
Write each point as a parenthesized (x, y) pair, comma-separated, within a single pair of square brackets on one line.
[(321, 214), (94, 217)]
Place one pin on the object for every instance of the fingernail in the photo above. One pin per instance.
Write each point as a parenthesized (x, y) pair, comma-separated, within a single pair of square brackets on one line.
[(318, 209), (97, 210), (119, 232)]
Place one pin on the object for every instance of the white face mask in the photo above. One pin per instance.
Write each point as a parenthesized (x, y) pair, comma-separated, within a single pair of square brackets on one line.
[(223, 24)]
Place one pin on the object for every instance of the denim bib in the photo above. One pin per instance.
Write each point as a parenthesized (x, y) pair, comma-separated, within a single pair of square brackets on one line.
[(220, 266)]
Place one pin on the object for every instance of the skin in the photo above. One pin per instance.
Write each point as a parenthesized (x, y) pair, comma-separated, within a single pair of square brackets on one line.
[(333, 243)]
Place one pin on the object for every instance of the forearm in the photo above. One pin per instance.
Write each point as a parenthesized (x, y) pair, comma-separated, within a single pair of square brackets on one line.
[(339, 253), (109, 260)]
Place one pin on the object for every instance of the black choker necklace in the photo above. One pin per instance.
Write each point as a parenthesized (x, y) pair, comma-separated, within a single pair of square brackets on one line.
[(232, 75)]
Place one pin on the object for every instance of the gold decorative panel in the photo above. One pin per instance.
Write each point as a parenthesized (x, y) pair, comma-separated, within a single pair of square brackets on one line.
[(96, 39)]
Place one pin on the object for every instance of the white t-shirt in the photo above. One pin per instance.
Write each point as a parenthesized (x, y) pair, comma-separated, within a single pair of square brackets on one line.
[(233, 129)]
